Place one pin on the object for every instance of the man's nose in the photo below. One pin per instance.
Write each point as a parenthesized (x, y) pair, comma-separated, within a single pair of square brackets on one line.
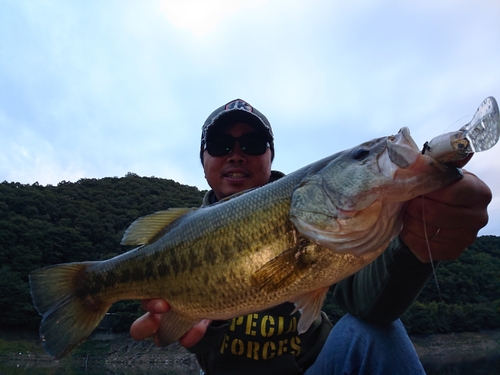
[(237, 153)]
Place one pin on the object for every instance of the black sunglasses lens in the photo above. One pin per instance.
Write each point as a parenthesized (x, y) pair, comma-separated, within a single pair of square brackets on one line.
[(253, 144), (250, 144), (222, 145)]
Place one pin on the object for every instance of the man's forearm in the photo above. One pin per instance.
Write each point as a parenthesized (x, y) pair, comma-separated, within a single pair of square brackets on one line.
[(382, 291)]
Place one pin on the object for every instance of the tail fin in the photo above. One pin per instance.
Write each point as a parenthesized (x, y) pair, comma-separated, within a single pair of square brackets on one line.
[(69, 314)]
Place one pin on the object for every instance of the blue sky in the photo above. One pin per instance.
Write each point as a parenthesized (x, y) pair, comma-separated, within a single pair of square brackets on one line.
[(92, 89)]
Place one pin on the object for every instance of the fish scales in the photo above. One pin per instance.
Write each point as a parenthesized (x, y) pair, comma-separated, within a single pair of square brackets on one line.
[(287, 241), (126, 279)]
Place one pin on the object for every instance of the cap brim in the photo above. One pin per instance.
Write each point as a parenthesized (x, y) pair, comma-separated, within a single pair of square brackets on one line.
[(227, 119)]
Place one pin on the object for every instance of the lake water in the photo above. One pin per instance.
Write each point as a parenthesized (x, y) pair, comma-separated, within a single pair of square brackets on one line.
[(486, 366), (489, 366), (13, 367)]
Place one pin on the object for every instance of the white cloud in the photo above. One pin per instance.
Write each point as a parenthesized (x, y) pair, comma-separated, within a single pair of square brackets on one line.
[(202, 18), (102, 89)]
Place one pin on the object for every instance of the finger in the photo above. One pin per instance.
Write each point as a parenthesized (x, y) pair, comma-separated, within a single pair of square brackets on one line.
[(195, 334), (145, 326), (438, 236), (155, 306), (458, 211), (446, 230), (468, 191), (435, 214), (439, 248)]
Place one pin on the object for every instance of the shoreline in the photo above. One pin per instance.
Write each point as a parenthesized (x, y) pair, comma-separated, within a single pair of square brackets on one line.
[(442, 349), (117, 350)]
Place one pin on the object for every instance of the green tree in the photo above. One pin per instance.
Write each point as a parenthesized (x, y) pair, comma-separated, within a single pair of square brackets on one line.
[(81, 221)]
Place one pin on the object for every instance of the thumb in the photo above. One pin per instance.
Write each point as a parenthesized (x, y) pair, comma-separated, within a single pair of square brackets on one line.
[(195, 334)]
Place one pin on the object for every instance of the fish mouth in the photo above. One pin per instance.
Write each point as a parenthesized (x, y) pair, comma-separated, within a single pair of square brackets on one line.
[(402, 149), (411, 172), (402, 153)]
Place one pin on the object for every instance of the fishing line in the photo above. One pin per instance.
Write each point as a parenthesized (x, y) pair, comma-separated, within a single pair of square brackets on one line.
[(429, 250), (455, 122)]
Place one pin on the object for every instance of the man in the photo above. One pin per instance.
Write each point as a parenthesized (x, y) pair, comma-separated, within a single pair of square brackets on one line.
[(237, 149)]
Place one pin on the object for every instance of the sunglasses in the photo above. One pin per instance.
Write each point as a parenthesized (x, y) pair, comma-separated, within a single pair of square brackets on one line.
[(250, 144)]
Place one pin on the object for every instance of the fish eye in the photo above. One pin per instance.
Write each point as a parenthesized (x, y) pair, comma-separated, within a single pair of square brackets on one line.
[(360, 153)]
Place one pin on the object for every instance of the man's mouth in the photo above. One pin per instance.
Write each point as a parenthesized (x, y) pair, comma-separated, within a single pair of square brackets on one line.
[(235, 175)]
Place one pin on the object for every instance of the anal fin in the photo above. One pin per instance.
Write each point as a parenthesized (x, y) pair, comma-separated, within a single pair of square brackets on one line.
[(309, 305), (172, 327)]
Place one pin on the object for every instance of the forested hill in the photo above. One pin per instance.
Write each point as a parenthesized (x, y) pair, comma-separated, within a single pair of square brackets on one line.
[(463, 296), (466, 296), (85, 220)]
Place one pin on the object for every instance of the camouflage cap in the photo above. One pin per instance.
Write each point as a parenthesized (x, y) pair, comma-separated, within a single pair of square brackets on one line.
[(234, 111)]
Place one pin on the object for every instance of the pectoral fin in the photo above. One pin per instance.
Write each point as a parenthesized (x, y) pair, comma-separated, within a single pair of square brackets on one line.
[(288, 267), (172, 327), (309, 305), (277, 272)]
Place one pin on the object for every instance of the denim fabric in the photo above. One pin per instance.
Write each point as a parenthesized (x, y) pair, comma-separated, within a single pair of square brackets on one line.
[(355, 346)]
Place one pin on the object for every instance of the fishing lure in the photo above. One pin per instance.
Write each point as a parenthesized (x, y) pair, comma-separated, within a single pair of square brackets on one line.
[(480, 134)]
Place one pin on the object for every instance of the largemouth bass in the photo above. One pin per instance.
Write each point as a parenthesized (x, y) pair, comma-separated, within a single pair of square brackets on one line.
[(286, 241)]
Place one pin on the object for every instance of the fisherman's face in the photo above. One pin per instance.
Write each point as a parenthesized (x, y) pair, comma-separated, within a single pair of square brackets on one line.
[(236, 171)]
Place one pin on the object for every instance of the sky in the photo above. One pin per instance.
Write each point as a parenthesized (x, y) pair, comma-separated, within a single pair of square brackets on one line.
[(93, 89)]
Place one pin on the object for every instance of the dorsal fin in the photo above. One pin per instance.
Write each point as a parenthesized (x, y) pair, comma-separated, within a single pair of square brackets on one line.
[(146, 228)]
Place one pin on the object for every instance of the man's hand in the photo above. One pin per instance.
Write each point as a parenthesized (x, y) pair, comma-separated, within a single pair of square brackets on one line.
[(148, 324), (450, 217)]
